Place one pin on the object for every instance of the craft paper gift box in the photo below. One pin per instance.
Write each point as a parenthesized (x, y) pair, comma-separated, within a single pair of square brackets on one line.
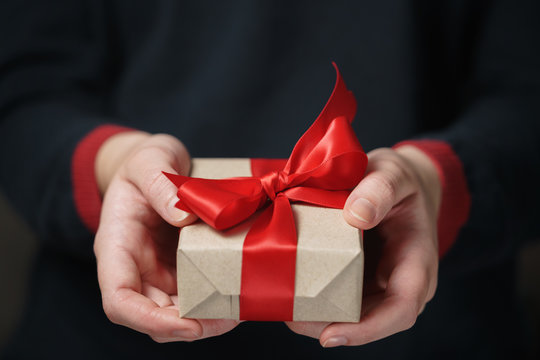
[(329, 262), (274, 245)]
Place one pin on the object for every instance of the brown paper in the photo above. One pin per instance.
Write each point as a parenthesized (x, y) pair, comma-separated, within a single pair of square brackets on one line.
[(329, 262)]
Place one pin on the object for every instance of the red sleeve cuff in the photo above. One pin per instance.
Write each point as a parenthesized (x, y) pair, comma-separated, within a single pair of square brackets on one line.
[(85, 189), (456, 200)]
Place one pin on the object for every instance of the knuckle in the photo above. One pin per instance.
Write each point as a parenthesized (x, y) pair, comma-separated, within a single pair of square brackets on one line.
[(393, 172), (146, 172), (432, 290), (151, 319), (153, 324), (410, 316), (154, 184), (148, 152), (409, 309), (385, 185), (423, 277), (159, 340), (110, 312), (159, 151), (112, 305), (174, 148), (400, 170), (166, 139)]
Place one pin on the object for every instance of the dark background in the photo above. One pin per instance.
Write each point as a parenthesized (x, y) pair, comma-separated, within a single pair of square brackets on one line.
[(18, 245), (394, 79)]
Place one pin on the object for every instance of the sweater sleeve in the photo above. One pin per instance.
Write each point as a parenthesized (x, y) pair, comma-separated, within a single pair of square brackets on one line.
[(85, 188), (53, 91)]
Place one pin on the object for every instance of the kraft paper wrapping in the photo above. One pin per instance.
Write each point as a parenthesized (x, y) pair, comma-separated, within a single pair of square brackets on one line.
[(329, 263)]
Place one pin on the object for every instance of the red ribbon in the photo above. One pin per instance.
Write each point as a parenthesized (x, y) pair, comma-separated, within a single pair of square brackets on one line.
[(324, 165)]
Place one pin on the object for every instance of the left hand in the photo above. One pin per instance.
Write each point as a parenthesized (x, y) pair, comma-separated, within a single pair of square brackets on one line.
[(399, 198)]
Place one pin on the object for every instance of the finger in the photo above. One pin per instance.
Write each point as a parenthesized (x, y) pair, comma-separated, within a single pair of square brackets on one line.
[(158, 296), (214, 327), (391, 312), (409, 262), (210, 328), (123, 236), (152, 312), (129, 308), (388, 181), (308, 328), (144, 169), (121, 287), (391, 316)]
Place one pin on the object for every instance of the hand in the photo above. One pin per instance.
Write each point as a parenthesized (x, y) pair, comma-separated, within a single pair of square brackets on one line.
[(135, 245), (399, 199)]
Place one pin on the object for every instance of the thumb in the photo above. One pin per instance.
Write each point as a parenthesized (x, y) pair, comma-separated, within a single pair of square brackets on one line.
[(144, 169), (388, 181)]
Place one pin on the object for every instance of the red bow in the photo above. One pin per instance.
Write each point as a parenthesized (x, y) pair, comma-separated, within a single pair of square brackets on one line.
[(324, 165)]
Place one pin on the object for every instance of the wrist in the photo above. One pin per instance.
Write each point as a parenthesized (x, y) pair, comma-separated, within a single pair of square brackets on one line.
[(114, 151)]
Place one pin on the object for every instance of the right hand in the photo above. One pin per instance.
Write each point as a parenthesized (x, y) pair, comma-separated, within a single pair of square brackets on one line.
[(135, 245)]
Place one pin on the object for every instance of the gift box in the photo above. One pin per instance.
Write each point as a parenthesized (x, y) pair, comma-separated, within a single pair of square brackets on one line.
[(329, 260), (272, 244)]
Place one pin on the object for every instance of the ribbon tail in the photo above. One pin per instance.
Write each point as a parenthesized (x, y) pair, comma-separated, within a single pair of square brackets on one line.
[(177, 180), (269, 264), (330, 199)]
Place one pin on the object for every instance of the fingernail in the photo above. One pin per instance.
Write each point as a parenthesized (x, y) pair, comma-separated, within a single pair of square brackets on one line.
[(179, 215), (363, 210), (335, 341), (186, 334)]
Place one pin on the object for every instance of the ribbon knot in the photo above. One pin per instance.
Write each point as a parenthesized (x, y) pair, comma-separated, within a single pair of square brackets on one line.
[(325, 164), (273, 183)]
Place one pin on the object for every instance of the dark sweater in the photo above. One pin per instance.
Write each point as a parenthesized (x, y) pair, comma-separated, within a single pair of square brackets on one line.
[(245, 79)]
